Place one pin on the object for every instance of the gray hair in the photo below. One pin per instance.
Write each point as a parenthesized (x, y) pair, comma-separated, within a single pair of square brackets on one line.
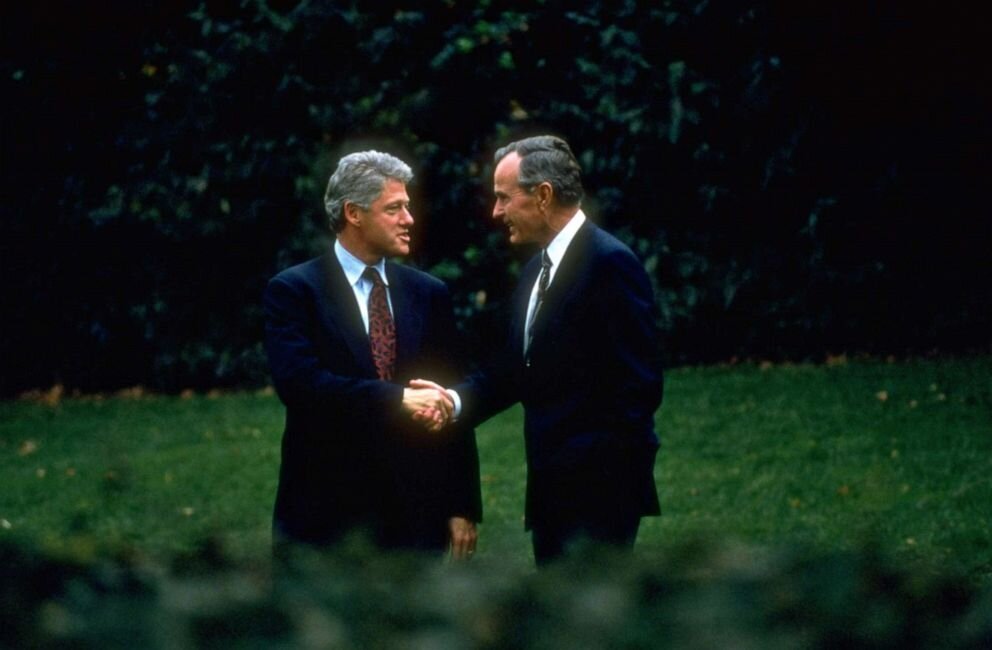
[(547, 158), (360, 179)]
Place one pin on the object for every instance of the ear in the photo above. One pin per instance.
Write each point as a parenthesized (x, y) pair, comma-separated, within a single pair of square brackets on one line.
[(353, 214), (544, 194)]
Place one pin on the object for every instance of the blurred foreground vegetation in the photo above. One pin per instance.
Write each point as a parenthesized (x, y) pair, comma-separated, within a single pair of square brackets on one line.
[(692, 596)]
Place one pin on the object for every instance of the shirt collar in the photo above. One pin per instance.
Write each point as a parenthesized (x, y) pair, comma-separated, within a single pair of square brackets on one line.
[(354, 267), (556, 249)]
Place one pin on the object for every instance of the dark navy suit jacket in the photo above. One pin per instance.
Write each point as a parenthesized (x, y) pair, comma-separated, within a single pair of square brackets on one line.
[(350, 457), (590, 388)]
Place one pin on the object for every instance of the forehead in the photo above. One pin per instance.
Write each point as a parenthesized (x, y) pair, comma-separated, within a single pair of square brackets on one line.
[(393, 190), (507, 171)]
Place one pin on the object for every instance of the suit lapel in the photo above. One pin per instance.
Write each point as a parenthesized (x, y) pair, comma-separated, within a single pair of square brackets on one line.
[(567, 280), (339, 312), (407, 313)]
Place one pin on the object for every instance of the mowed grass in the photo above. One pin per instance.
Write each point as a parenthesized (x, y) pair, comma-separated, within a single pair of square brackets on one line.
[(824, 457), (897, 455)]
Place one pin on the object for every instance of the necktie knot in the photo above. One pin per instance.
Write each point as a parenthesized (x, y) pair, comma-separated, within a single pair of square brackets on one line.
[(372, 275), (545, 278)]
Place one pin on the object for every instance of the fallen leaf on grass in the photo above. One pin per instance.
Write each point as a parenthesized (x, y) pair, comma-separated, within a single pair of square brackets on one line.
[(50, 397), (134, 392), (27, 448), (882, 395)]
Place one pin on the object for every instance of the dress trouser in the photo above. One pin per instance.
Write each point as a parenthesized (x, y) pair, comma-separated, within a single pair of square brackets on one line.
[(555, 541)]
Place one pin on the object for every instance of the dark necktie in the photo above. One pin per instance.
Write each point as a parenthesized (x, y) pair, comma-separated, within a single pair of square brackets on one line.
[(382, 332), (542, 288)]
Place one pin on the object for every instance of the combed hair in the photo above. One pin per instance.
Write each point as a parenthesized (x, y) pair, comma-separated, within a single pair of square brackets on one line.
[(360, 178), (547, 158)]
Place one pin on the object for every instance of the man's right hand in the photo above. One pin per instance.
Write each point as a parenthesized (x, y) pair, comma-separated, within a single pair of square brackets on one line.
[(431, 406)]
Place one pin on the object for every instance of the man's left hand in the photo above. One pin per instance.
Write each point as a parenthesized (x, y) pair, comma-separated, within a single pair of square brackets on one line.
[(463, 536)]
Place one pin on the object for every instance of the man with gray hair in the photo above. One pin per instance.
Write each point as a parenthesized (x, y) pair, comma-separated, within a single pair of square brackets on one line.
[(344, 333), (582, 357)]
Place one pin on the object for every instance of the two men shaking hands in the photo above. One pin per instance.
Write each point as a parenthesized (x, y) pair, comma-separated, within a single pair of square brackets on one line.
[(359, 349)]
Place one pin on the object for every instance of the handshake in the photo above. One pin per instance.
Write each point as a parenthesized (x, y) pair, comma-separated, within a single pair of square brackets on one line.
[(429, 404)]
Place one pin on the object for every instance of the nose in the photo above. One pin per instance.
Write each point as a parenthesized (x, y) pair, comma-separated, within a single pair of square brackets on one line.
[(497, 211), (407, 216)]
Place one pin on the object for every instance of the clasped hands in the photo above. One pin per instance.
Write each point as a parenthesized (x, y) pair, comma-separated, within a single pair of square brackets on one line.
[(428, 403)]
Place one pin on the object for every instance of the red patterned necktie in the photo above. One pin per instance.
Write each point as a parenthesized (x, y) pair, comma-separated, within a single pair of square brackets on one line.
[(382, 332)]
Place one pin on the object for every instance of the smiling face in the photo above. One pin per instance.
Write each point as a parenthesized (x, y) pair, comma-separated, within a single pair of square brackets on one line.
[(516, 206), (383, 230)]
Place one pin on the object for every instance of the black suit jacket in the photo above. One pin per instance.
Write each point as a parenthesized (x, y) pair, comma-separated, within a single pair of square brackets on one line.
[(350, 457), (590, 388)]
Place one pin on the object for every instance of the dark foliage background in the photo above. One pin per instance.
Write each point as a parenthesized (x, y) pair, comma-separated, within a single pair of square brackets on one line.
[(799, 178)]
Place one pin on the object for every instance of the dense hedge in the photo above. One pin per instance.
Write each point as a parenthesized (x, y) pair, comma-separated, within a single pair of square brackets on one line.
[(797, 180), (698, 596)]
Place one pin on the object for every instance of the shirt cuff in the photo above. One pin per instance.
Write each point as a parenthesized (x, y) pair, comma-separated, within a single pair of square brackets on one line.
[(458, 403)]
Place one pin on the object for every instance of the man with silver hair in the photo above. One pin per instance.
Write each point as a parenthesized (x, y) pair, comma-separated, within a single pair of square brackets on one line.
[(344, 333), (582, 356)]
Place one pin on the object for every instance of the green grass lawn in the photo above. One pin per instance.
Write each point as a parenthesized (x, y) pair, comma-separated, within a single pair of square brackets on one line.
[(897, 455)]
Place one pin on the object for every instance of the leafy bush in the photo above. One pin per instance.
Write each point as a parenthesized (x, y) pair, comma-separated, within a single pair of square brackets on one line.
[(700, 595), (797, 180)]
